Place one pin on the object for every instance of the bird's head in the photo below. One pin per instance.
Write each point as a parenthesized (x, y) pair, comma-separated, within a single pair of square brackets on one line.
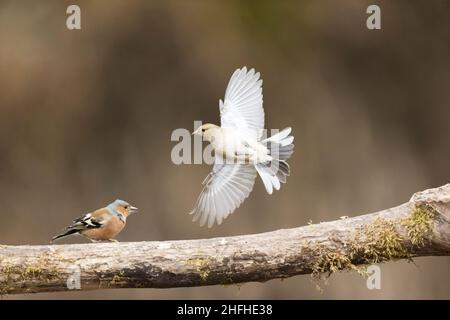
[(206, 130), (122, 207)]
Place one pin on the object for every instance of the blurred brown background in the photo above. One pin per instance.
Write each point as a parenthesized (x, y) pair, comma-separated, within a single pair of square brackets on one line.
[(86, 117)]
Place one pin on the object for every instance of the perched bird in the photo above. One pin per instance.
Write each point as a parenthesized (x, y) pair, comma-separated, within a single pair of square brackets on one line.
[(102, 224), (241, 150)]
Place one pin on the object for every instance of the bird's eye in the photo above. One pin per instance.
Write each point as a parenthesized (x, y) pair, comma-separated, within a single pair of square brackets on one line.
[(126, 207), (203, 130)]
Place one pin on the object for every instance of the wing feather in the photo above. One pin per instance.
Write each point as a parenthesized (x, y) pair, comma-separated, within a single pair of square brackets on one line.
[(224, 191), (242, 108)]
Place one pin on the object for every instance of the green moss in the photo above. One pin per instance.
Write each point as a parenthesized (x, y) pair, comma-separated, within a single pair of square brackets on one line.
[(201, 265), (36, 270), (7, 270), (330, 262), (40, 269), (31, 272), (376, 242), (419, 223), (118, 278)]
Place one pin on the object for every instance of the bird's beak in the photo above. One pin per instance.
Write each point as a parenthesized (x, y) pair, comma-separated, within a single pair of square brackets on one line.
[(133, 209), (197, 131)]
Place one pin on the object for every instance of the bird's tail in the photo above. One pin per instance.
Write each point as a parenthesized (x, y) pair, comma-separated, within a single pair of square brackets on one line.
[(274, 172), (64, 234)]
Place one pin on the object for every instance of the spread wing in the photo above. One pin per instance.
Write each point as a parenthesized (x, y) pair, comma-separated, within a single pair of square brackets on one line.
[(242, 107), (225, 188)]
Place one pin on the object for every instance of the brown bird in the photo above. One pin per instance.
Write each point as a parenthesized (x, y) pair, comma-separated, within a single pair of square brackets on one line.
[(101, 225)]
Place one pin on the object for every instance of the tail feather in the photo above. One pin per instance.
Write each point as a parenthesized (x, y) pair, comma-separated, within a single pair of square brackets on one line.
[(275, 171), (285, 152), (283, 134), (265, 177), (65, 234), (280, 145)]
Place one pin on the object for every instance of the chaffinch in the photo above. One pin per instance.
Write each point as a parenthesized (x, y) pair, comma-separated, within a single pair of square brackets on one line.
[(102, 224)]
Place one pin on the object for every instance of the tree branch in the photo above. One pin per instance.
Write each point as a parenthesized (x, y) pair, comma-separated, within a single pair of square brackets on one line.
[(420, 227)]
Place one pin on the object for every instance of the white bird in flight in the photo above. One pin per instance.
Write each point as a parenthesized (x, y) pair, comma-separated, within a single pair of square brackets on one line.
[(241, 152)]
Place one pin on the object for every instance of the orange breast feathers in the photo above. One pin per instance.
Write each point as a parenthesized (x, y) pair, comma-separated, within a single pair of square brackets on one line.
[(108, 231)]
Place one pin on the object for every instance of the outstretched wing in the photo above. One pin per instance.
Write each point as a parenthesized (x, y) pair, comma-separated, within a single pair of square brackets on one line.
[(242, 108), (225, 188)]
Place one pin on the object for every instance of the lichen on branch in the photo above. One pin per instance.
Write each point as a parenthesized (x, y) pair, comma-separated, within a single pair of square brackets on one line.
[(420, 227), (376, 242)]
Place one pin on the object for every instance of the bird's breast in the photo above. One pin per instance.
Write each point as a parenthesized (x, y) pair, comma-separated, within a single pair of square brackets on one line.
[(108, 231)]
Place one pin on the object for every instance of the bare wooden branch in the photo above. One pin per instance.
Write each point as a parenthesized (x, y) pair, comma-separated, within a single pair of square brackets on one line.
[(420, 227)]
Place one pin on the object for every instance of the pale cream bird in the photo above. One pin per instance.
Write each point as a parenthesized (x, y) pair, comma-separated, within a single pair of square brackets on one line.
[(241, 152)]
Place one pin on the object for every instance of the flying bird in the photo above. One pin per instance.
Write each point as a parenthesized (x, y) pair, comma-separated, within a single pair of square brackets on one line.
[(241, 150), (101, 225)]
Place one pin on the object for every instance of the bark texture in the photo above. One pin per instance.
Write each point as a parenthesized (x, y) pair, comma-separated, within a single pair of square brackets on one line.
[(420, 227)]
